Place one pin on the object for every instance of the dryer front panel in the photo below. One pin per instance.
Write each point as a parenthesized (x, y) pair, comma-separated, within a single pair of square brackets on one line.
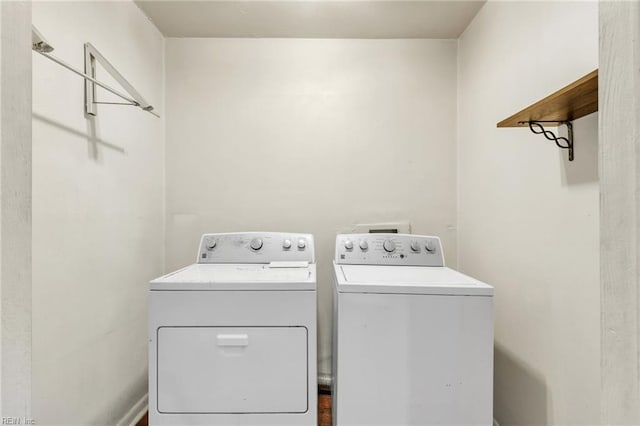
[(229, 370)]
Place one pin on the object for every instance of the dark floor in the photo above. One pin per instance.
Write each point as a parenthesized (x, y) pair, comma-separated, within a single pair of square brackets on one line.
[(324, 412)]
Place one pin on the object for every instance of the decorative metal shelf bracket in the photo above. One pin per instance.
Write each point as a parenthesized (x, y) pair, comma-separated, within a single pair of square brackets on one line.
[(537, 127)]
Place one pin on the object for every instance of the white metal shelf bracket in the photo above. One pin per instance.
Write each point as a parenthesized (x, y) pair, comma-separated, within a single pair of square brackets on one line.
[(91, 55)]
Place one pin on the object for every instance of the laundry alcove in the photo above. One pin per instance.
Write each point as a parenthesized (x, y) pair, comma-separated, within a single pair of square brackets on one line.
[(387, 116)]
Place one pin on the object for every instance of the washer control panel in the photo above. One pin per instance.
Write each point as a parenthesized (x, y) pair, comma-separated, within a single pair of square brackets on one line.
[(256, 247), (389, 249)]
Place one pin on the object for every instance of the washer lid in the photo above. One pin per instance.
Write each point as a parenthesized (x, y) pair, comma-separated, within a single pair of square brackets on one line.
[(269, 277), (407, 280)]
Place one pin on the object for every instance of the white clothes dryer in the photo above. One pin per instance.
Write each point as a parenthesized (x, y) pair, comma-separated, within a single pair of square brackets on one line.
[(413, 339), (232, 338)]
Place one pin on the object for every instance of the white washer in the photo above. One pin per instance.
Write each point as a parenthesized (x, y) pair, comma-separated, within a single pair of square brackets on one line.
[(232, 338), (413, 340)]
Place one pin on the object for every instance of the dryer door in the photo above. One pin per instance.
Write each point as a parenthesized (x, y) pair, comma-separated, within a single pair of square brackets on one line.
[(232, 370)]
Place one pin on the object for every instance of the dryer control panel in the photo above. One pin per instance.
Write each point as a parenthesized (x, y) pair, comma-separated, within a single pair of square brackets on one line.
[(388, 249), (256, 247)]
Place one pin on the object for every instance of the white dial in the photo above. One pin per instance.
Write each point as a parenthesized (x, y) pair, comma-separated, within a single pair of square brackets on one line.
[(348, 244), (415, 246), (302, 243), (286, 244), (364, 245), (389, 246), (211, 244), (430, 246), (256, 244)]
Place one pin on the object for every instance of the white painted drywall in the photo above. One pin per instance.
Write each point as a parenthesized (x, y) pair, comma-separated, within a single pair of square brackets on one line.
[(528, 219), (15, 210), (619, 116), (97, 215), (309, 136)]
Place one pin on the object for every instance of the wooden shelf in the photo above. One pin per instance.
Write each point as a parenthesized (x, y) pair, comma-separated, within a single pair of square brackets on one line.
[(576, 100)]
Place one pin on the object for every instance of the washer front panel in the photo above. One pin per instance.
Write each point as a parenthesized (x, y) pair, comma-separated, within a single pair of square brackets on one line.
[(409, 360)]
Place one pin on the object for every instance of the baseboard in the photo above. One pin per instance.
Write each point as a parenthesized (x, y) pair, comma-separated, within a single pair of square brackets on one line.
[(136, 412)]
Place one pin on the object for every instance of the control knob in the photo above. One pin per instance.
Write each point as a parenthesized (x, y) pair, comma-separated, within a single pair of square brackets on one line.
[(302, 243), (430, 246), (348, 244), (364, 246), (256, 244), (286, 244), (415, 246), (211, 244), (389, 246)]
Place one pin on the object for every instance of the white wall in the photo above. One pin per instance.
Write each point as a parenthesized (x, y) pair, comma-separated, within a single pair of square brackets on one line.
[(97, 215), (528, 219), (309, 136)]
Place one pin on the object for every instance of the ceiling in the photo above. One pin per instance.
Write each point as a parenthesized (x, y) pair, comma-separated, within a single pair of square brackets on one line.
[(311, 18)]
